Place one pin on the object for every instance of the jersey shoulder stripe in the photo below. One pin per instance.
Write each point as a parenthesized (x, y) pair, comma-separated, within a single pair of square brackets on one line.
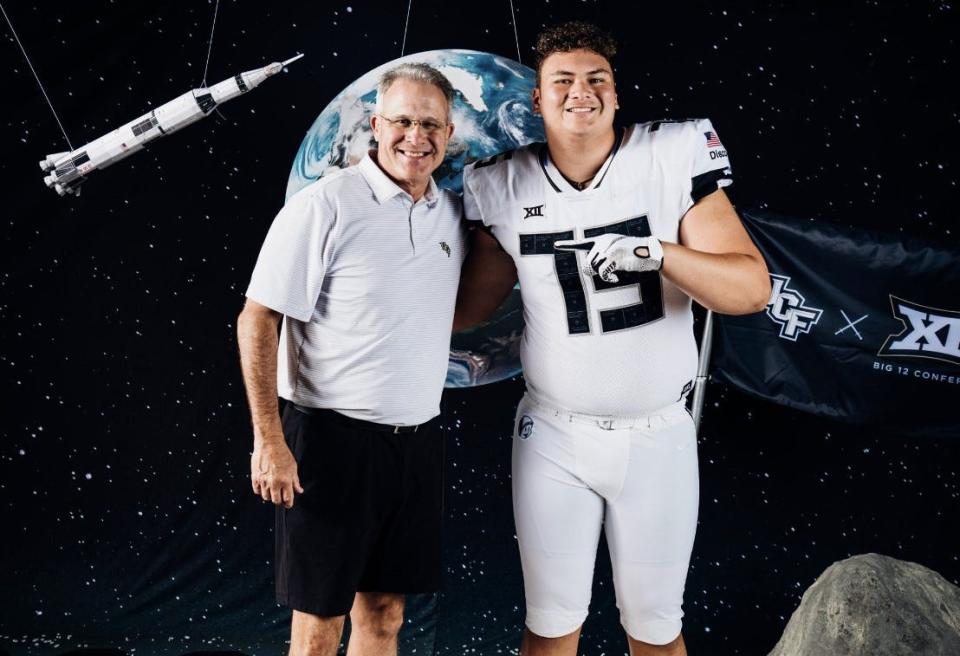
[(489, 184), (503, 165), (688, 149), (666, 133)]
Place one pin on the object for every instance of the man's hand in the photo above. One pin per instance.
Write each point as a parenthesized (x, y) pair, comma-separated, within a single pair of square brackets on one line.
[(273, 473), (611, 252)]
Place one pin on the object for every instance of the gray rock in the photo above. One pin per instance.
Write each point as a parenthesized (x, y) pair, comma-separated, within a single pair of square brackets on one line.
[(873, 605)]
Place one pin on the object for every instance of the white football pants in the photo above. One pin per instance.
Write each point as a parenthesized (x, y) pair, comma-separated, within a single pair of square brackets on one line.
[(637, 478)]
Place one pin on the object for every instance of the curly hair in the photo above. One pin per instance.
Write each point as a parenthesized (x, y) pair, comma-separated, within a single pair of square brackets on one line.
[(575, 35)]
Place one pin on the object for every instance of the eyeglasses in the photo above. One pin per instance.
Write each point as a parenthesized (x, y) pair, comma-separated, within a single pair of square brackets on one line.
[(403, 123)]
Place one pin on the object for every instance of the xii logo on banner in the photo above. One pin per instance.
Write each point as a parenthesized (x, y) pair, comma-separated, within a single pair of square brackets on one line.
[(927, 333)]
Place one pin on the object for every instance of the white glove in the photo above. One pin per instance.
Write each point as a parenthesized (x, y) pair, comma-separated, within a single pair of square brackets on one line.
[(611, 252)]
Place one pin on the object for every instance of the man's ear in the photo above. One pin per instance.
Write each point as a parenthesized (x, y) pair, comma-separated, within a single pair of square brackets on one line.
[(535, 99)]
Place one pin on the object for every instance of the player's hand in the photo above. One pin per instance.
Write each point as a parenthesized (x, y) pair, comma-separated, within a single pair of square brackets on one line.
[(273, 473), (611, 252)]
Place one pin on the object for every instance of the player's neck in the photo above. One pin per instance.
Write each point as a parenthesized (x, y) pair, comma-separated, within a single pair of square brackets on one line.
[(578, 157)]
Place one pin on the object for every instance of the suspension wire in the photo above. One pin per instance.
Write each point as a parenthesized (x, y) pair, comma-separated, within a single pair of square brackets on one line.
[(37, 77), (406, 25), (515, 36), (213, 27)]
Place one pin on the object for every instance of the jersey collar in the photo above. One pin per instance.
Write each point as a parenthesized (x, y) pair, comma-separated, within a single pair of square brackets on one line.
[(560, 184), (383, 187)]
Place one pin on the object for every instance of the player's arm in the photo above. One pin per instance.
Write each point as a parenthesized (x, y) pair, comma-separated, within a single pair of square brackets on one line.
[(273, 470), (487, 276), (716, 263)]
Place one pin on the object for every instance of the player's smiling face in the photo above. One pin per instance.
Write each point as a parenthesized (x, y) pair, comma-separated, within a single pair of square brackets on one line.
[(412, 133), (576, 93)]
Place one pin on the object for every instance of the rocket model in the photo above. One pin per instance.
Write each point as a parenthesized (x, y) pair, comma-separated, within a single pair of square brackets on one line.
[(69, 170)]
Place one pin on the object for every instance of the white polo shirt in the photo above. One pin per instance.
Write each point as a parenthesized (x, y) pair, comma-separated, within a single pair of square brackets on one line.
[(367, 282)]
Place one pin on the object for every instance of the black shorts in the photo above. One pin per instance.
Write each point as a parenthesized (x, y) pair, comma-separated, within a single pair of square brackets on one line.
[(369, 518)]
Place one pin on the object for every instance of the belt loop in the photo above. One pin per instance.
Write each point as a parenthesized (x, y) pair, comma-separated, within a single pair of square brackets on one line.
[(396, 430)]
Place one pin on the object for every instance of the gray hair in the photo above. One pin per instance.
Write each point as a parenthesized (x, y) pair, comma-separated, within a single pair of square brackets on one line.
[(418, 73)]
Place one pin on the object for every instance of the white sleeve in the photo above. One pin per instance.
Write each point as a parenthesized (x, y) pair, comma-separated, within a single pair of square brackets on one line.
[(471, 204), (294, 256), (709, 163)]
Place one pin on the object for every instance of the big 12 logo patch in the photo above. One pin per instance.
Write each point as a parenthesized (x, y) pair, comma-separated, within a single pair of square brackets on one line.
[(927, 333)]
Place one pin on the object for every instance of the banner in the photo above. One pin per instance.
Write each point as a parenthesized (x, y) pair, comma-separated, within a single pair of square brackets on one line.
[(861, 326)]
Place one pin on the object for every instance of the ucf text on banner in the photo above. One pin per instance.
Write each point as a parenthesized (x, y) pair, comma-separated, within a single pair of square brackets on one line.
[(861, 326)]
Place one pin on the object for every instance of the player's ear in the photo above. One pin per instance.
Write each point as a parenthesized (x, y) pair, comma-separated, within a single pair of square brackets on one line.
[(450, 127), (375, 126), (535, 99)]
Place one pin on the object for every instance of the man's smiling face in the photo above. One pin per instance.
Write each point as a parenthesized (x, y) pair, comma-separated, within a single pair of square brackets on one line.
[(409, 156), (576, 94)]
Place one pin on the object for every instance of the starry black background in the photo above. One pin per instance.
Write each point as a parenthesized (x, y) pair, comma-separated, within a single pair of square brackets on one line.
[(126, 513)]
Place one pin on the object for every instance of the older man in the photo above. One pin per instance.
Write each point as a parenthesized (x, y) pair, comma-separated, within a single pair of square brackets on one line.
[(362, 267), (612, 232)]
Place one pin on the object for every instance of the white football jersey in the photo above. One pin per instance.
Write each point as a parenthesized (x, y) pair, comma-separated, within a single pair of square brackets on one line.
[(612, 349)]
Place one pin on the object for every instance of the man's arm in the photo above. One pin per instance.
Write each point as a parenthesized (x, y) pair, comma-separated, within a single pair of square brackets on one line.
[(273, 470), (487, 276), (716, 262)]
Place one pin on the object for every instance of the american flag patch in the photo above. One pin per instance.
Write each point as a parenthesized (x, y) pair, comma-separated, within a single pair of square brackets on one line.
[(713, 141)]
